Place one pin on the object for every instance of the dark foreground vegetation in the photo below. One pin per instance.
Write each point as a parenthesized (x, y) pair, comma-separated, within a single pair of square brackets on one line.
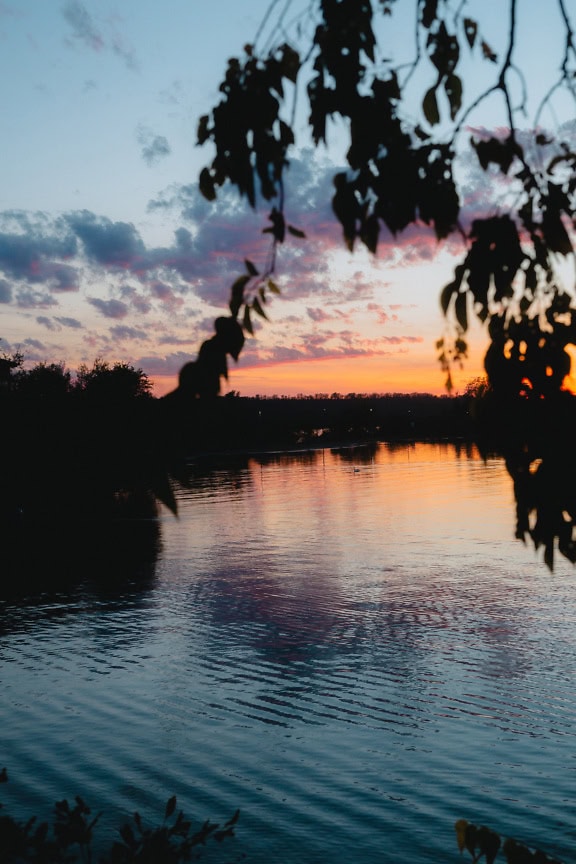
[(70, 837)]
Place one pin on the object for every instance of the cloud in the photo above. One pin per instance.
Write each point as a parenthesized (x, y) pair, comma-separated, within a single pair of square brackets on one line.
[(165, 366), (34, 252), (109, 308), (28, 298), (154, 147), (306, 351), (82, 26), (85, 31), (382, 316), (35, 343), (121, 333), (47, 322), (58, 322), (320, 315), (69, 322), (111, 244), (5, 291), (164, 293)]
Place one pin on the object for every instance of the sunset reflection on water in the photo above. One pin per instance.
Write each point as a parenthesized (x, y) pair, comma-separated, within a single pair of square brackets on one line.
[(349, 645)]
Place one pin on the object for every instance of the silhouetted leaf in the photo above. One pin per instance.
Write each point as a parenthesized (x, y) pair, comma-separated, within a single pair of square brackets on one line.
[(555, 233), (296, 232), (470, 30), (237, 294), (461, 310), (127, 835), (542, 140), (452, 288), (203, 131), (488, 52), (206, 183), (250, 267), (453, 88), (258, 308), (289, 62), (170, 807), (233, 820), (489, 843), (247, 322), (429, 11), (460, 828), (369, 231), (443, 50), (273, 286), (430, 107), (230, 335)]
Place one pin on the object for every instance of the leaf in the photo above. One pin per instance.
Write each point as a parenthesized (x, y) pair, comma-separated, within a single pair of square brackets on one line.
[(369, 231), (278, 226), (127, 835), (449, 290), (170, 807), (231, 335), (258, 308), (296, 232), (460, 828), (206, 184), (246, 322), (273, 286), (233, 820), (289, 63), (488, 52), (488, 842), (453, 89), (555, 233), (470, 31), (203, 131), (250, 267), (461, 310), (237, 294), (429, 13), (430, 107), (446, 296)]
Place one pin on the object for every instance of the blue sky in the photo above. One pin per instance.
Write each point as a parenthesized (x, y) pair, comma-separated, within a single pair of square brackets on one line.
[(107, 249)]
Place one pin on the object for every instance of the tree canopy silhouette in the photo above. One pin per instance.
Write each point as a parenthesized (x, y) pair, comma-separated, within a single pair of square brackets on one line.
[(405, 125)]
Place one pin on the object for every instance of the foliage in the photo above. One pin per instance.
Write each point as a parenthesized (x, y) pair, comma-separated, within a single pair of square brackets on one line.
[(480, 842), (477, 388), (116, 383), (44, 380), (8, 363), (401, 168), (70, 837)]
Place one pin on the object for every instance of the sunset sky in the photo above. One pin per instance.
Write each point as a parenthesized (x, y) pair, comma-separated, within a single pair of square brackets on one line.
[(107, 248)]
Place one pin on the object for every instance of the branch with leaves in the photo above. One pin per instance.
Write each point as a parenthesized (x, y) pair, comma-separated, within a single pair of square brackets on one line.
[(400, 169)]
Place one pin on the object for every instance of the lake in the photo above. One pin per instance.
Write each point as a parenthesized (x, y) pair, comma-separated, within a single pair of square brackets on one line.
[(350, 646)]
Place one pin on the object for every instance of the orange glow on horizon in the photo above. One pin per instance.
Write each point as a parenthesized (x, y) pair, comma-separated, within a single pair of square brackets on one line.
[(399, 373)]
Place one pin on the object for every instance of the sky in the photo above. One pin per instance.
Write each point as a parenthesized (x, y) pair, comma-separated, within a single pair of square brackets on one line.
[(107, 248)]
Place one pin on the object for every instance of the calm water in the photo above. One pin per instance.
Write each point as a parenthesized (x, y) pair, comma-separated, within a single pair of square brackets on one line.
[(353, 651)]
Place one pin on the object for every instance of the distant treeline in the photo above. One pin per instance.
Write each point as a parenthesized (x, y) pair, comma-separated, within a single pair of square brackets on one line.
[(324, 419), (111, 408)]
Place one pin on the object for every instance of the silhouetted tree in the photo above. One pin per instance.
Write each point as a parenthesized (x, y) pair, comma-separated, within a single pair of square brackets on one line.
[(9, 363), (44, 381), (112, 384)]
